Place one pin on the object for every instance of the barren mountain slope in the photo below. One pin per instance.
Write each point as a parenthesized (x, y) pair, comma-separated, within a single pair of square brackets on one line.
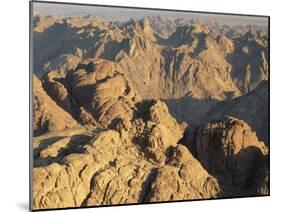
[(93, 166), (128, 163), (230, 150), (159, 67), (252, 107), (124, 112), (47, 115)]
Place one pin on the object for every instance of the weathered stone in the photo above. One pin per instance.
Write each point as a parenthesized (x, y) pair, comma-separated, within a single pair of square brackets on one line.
[(229, 150)]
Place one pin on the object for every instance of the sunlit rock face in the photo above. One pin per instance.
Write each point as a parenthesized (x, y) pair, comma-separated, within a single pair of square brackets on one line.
[(147, 110)]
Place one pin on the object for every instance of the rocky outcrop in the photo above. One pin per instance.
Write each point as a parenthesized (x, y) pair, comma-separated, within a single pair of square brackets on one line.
[(159, 114), (143, 161), (76, 39), (173, 70), (86, 167), (183, 178), (65, 62), (47, 115), (252, 108), (104, 91), (56, 87), (67, 184), (229, 150), (164, 132)]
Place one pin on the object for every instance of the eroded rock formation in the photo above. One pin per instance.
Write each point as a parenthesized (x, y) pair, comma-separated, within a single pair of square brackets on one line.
[(122, 112), (230, 150), (47, 115)]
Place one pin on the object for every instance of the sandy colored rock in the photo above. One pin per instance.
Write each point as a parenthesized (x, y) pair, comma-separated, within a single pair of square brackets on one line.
[(157, 67), (92, 166), (104, 91), (71, 179), (122, 110), (47, 115), (187, 180), (159, 114), (155, 130), (229, 150), (196, 63), (56, 87)]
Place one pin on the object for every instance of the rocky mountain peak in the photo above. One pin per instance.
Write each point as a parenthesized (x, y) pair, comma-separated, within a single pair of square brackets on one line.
[(143, 29)]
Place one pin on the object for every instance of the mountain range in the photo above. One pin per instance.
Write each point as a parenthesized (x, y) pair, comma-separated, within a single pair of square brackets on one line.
[(148, 110)]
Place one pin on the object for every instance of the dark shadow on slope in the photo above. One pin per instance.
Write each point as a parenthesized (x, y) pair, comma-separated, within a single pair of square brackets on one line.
[(146, 186), (242, 174), (66, 41), (172, 60), (113, 47), (75, 145), (45, 143), (248, 52), (142, 109), (190, 109), (201, 45), (246, 172), (48, 47), (69, 103), (252, 108)]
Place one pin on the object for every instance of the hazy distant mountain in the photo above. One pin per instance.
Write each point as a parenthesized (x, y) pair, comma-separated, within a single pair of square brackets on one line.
[(124, 14)]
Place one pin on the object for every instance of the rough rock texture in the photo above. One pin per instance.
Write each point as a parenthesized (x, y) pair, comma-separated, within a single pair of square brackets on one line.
[(76, 39), (108, 107), (159, 114), (157, 131), (165, 131), (195, 64), (250, 60), (47, 115), (68, 184), (230, 151), (157, 67), (56, 88), (142, 161), (252, 108), (91, 166), (104, 91), (123, 182), (183, 178), (172, 70)]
